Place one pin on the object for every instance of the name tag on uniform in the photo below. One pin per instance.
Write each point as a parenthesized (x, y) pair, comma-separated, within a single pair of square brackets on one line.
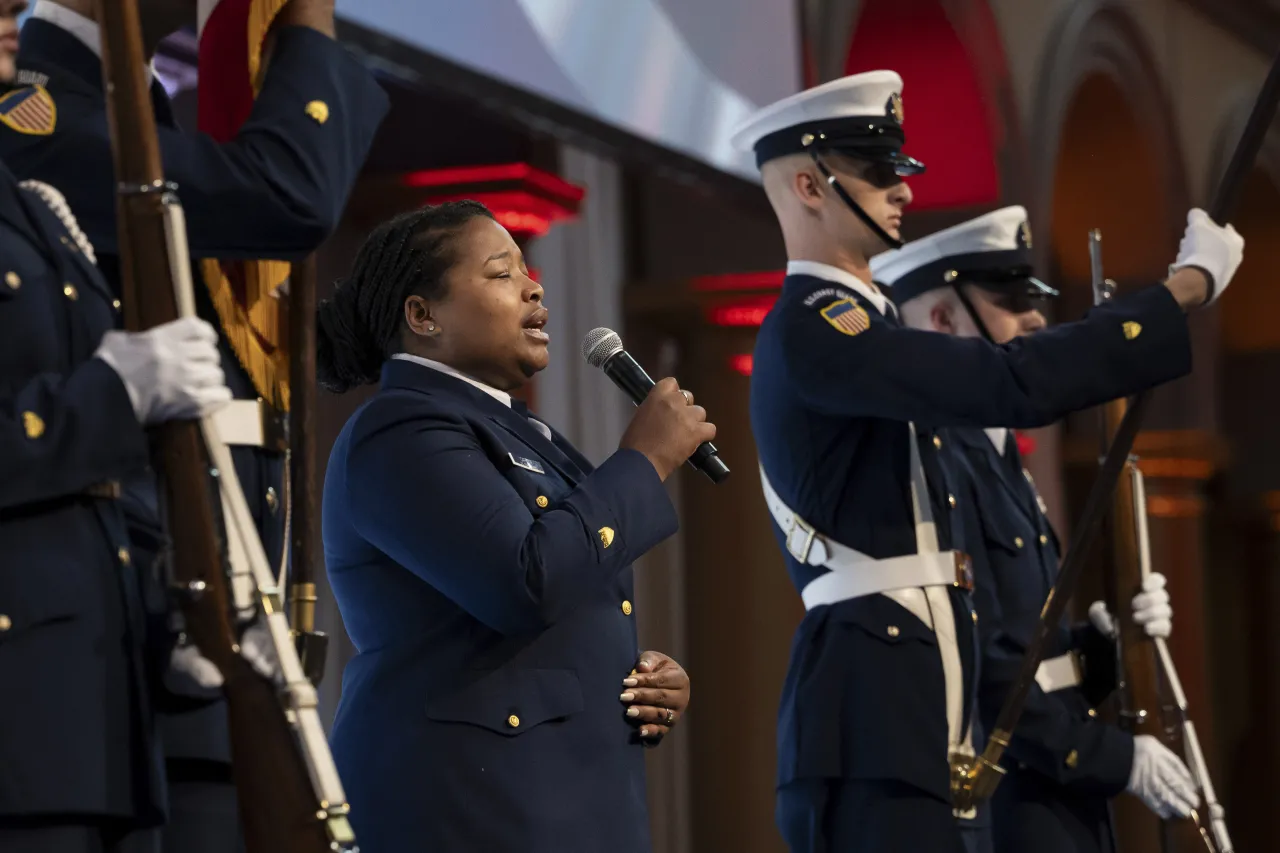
[(527, 464)]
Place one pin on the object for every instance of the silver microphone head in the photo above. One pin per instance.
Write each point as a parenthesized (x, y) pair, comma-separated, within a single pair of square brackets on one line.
[(600, 345)]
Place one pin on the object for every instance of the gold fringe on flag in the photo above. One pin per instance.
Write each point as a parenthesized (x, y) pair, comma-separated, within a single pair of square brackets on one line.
[(257, 327)]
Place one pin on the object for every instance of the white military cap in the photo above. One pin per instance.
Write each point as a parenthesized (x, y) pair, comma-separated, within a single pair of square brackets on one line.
[(859, 115), (992, 251)]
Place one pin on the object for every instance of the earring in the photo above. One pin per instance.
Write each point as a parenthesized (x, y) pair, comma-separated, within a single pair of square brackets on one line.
[(431, 327)]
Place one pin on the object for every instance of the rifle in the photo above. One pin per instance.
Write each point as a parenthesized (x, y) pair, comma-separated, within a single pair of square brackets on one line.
[(291, 800), (978, 781), (302, 517), (1150, 696)]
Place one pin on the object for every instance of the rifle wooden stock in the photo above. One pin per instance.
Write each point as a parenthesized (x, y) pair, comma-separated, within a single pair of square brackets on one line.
[(984, 775), (277, 802)]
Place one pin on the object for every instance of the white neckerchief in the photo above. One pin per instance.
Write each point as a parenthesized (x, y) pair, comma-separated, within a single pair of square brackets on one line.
[(839, 276), (84, 29), (999, 437), (501, 396)]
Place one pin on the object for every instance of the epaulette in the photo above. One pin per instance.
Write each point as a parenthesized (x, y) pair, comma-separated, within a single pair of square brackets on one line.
[(58, 204)]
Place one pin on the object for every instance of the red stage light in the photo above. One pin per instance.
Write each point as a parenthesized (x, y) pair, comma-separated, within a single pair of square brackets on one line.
[(766, 280), (526, 201), (747, 312), (741, 363)]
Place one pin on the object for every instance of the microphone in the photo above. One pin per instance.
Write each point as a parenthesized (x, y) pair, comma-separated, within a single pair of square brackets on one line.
[(602, 348)]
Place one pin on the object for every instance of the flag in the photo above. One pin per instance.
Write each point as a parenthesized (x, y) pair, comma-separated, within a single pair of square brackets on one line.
[(253, 315)]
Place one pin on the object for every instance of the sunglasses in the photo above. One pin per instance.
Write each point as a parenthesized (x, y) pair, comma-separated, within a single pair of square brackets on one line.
[(1016, 301)]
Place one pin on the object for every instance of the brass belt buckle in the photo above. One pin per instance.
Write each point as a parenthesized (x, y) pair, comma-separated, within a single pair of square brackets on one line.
[(107, 490), (807, 534)]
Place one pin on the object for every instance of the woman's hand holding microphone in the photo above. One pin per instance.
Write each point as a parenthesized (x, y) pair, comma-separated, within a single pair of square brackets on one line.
[(667, 427)]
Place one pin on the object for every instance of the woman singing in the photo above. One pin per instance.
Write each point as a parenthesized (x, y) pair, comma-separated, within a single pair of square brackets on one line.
[(498, 700)]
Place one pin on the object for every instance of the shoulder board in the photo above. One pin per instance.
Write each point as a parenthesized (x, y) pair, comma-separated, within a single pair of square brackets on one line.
[(29, 110), (57, 203)]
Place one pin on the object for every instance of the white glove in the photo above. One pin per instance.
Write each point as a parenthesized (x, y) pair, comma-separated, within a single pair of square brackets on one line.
[(1216, 249), (1161, 780), (256, 647), (1151, 610), (172, 372), (192, 674)]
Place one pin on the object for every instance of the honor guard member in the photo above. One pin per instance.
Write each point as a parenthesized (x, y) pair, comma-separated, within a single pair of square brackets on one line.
[(976, 280), (80, 769), (274, 191), (848, 409)]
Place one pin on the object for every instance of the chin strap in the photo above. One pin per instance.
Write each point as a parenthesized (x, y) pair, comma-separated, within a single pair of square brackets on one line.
[(973, 312), (891, 242)]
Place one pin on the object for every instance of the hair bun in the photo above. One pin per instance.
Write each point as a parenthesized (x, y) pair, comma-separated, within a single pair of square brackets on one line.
[(346, 356)]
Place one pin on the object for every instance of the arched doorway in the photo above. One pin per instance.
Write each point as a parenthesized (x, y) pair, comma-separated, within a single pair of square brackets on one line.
[(1112, 162)]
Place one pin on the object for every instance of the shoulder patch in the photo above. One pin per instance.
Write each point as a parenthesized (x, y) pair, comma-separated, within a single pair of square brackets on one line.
[(847, 317), (29, 110), (27, 77)]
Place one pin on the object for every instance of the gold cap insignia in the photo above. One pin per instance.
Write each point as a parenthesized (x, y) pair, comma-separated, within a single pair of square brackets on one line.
[(1024, 234), (894, 107), (606, 536), (33, 424), (1131, 330), (319, 111)]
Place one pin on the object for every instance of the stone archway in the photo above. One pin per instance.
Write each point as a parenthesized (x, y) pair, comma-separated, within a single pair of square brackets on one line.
[(1111, 160)]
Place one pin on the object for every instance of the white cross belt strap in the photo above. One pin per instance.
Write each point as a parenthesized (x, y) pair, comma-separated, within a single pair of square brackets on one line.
[(854, 574), (915, 581), (1059, 673), (251, 423)]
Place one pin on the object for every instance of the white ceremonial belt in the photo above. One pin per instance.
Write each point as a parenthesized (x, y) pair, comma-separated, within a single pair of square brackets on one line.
[(251, 423), (853, 578), (1059, 673), (854, 574)]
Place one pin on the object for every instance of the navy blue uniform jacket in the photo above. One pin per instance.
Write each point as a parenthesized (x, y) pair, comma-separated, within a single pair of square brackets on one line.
[(1059, 750), (829, 398), (275, 191), (75, 737), (481, 571)]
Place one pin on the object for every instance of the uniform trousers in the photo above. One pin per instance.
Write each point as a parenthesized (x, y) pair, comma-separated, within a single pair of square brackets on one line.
[(74, 835), (1031, 814), (853, 815)]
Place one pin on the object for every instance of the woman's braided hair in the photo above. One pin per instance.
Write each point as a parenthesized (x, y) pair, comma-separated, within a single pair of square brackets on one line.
[(359, 327)]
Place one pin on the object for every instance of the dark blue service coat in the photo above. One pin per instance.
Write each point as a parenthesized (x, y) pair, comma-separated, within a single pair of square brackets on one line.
[(275, 191), (1063, 763), (484, 574), (833, 384), (76, 733)]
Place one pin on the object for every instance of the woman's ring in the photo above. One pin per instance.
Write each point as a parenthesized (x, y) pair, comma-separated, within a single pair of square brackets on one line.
[(671, 716), (688, 398)]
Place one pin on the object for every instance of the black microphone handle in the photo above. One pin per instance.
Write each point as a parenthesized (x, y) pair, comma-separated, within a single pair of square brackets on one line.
[(628, 375)]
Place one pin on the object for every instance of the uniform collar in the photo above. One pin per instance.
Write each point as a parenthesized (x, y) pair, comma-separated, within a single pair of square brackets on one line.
[(999, 437), (84, 30), (839, 276), (501, 396)]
